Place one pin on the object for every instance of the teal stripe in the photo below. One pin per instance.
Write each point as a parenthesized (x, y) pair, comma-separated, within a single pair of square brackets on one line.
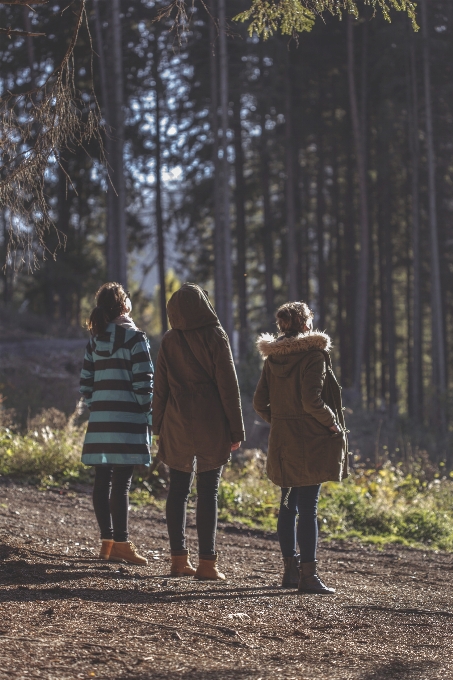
[(117, 416), (116, 459), (115, 438), (113, 395), (113, 374)]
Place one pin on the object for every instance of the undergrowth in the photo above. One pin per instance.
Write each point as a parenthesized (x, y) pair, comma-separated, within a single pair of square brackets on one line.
[(408, 504)]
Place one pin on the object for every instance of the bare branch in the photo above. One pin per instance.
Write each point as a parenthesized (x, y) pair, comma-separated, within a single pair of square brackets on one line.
[(22, 34), (35, 127)]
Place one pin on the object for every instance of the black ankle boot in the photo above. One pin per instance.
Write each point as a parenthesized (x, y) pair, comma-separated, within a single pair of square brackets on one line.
[(310, 581), (291, 574)]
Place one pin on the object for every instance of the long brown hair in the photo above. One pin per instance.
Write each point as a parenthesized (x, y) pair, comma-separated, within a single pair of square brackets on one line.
[(110, 303), (292, 317)]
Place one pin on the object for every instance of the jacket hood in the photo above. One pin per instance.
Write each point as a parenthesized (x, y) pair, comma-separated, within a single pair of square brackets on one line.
[(285, 352), (268, 345), (189, 308), (107, 342)]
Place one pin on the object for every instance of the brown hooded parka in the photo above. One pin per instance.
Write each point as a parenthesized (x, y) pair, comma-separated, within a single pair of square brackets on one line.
[(196, 404), (301, 399)]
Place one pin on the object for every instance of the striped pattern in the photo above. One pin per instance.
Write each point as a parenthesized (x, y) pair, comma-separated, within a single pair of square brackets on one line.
[(117, 384)]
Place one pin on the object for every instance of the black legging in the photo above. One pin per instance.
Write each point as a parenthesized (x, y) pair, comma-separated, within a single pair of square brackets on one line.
[(302, 500), (178, 495), (111, 500)]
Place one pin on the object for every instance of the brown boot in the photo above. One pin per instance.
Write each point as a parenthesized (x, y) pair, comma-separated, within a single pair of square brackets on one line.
[(106, 549), (181, 566), (207, 569), (310, 581), (125, 551), (291, 574)]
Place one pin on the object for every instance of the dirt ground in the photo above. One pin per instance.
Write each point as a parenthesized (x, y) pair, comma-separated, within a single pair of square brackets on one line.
[(65, 614)]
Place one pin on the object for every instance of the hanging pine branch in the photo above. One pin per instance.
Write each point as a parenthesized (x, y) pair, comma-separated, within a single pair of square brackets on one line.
[(35, 128), (291, 17)]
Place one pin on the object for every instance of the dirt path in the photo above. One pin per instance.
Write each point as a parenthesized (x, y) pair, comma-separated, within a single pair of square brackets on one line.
[(67, 615)]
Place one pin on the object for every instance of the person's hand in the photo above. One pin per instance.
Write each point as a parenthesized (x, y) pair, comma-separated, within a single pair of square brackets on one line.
[(335, 428), (235, 446)]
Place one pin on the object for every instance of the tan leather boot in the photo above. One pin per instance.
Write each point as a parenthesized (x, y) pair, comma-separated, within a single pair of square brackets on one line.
[(126, 551), (181, 565), (207, 569), (106, 549)]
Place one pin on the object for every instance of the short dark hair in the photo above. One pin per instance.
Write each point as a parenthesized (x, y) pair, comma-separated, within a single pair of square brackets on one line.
[(292, 317)]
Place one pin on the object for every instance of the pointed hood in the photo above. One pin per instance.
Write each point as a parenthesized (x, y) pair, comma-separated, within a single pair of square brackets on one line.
[(189, 308), (284, 352)]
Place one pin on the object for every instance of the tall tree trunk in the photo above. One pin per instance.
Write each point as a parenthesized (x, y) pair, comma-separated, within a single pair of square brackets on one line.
[(350, 270), (267, 238), (291, 247), (218, 238), (362, 278), (106, 105), (320, 208), (386, 276), (416, 397), (240, 229), (438, 347), (5, 270), (117, 248), (227, 290), (158, 189)]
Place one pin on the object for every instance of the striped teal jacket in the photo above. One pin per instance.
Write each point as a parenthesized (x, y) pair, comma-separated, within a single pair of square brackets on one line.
[(117, 384)]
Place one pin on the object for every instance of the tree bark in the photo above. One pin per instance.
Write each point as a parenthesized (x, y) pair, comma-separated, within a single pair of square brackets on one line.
[(106, 106), (117, 249), (291, 246), (240, 230), (362, 277), (438, 347), (158, 188), (227, 291), (416, 397), (320, 208), (267, 237), (218, 247)]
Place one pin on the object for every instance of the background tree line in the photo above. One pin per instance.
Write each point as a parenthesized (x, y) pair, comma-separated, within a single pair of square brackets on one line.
[(317, 168)]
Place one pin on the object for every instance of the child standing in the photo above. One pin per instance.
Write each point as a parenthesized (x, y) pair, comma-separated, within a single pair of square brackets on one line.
[(117, 383)]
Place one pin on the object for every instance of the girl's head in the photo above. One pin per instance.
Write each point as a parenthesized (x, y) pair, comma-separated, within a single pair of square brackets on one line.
[(111, 301), (294, 317)]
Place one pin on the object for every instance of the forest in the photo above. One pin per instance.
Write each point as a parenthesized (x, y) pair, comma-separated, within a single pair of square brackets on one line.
[(266, 150), (314, 166)]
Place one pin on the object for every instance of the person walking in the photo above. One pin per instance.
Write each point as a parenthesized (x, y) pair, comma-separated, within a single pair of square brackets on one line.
[(299, 396), (117, 383), (197, 418)]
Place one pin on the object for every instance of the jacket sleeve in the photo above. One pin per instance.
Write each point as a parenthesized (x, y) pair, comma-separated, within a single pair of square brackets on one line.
[(161, 391), (87, 376), (261, 399), (142, 373), (227, 384), (314, 375)]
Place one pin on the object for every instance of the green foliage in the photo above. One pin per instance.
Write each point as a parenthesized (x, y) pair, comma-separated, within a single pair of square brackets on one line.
[(46, 456), (295, 16), (377, 506)]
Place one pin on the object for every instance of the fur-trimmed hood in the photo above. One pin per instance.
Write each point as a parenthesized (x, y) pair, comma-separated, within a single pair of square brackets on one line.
[(269, 345)]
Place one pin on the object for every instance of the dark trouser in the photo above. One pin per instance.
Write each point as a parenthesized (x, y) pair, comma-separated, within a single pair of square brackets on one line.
[(178, 495), (111, 500), (302, 500)]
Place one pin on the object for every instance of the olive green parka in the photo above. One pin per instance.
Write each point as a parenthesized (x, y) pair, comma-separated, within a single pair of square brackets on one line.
[(301, 399), (196, 404)]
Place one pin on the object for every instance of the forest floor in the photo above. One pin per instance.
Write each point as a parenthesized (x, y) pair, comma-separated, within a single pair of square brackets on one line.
[(65, 614)]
